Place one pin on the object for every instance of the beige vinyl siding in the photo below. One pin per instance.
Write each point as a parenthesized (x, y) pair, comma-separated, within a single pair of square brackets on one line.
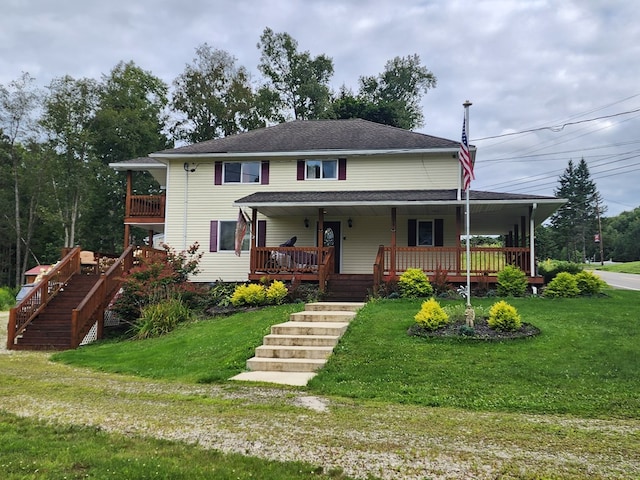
[(373, 173)]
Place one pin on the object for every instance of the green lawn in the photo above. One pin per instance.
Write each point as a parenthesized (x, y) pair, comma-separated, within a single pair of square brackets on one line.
[(628, 267), (584, 363), (202, 352)]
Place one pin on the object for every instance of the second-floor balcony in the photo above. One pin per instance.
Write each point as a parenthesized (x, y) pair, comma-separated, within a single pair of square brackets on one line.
[(145, 209)]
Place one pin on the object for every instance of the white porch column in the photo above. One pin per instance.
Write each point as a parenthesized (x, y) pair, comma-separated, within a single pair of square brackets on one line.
[(532, 235)]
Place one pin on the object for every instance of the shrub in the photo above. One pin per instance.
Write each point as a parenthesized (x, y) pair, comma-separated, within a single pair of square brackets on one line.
[(277, 292), (504, 317), (160, 318), (564, 284), (432, 316), (251, 294), (440, 283), (512, 282), (413, 283), (158, 277), (589, 283), (7, 298), (550, 268)]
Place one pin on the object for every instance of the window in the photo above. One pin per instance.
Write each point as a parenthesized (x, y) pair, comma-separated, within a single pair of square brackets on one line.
[(322, 169), (227, 236), (425, 233), (241, 172)]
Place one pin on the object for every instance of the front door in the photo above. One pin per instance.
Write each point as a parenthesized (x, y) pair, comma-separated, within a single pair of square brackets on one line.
[(333, 238)]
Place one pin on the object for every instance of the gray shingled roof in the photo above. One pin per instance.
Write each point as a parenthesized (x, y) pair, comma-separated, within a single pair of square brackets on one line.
[(321, 135), (392, 196)]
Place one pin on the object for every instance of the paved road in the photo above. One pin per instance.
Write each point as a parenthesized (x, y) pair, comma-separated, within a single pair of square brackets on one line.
[(626, 281)]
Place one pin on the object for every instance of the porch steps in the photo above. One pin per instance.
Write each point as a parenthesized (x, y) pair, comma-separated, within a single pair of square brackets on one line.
[(349, 287), (295, 350), (51, 329)]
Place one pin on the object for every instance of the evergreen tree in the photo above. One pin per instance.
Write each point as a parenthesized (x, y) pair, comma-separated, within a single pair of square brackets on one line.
[(575, 223)]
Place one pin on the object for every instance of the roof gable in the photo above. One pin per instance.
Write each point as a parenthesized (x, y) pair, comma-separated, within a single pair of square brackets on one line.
[(317, 135)]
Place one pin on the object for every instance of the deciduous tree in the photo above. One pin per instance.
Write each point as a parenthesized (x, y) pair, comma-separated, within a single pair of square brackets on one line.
[(214, 97), (297, 82), (400, 88), (18, 104), (68, 111)]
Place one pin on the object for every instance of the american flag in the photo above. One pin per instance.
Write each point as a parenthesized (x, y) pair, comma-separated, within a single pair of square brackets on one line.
[(465, 158), (241, 231)]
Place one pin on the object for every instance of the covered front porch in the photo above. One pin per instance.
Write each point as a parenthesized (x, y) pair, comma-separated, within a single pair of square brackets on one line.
[(389, 219)]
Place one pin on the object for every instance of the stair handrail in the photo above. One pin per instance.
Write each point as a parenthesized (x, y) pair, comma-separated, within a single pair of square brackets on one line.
[(326, 266), (92, 306), (41, 294)]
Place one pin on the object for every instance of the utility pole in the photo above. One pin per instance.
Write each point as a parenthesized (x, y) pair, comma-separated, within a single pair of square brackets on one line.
[(600, 232)]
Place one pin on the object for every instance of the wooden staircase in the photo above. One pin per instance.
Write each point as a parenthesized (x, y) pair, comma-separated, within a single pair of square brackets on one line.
[(295, 350), (51, 329), (348, 287)]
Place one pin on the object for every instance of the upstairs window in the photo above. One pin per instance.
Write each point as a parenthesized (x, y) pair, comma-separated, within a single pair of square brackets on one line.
[(241, 172), (321, 169)]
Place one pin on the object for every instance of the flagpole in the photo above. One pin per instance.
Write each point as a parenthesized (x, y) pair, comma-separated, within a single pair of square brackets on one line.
[(466, 106)]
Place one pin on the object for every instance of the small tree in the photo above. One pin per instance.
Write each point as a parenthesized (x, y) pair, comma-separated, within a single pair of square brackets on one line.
[(160, 276)]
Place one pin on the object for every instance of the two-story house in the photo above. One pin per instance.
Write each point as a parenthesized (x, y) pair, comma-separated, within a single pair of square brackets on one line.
[(360, 198)]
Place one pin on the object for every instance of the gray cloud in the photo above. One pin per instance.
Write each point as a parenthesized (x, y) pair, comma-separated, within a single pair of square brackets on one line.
[(524, 64)]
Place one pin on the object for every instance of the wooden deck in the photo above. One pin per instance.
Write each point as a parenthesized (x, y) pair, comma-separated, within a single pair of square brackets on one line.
[(299, 263)]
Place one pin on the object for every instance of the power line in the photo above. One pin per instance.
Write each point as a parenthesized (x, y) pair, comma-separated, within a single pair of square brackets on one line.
[(557, 128)]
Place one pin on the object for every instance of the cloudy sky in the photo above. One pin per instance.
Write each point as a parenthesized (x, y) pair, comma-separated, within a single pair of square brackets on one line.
[(564, 72)]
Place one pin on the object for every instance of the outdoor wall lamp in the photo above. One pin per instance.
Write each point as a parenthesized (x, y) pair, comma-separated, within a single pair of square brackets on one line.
[(306, 223), (350, 222)]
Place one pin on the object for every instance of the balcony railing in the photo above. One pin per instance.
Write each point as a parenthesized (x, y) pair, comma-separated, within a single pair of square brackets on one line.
[(145, 206)]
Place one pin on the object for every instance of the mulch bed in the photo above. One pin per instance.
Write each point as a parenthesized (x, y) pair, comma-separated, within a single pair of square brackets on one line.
[(481, 331)]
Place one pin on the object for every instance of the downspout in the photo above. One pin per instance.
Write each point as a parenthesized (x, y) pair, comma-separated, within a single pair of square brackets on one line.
[(186, 205)]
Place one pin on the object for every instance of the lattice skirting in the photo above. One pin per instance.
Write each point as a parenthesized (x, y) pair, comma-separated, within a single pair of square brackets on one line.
[(111, 318), (91, 336)]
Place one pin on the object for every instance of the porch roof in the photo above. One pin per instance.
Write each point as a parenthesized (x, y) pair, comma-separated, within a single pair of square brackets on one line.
[(491, 212)]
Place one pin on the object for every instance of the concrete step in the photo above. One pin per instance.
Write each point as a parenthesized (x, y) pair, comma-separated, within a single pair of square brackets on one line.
[(334, 306), (302, 340), (322, 316), (285, 365), (280, 351), (310, 328), (294, 350)]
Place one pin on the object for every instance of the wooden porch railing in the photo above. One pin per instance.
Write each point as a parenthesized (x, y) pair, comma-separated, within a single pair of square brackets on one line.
[(483, 260), (36, 300), (285, 263), (145, 206), (91, 308)]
